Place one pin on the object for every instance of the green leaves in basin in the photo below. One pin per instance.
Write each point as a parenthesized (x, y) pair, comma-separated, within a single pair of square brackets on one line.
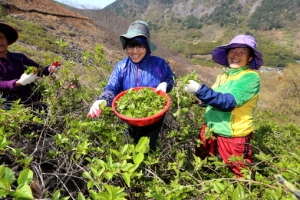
[(140, 103)]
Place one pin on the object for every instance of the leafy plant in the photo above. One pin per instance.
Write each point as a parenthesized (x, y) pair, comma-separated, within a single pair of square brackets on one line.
[(31, 69), (7, 179)]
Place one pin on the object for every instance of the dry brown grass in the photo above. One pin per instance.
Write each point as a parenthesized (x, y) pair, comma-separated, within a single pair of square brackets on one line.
[(280, 94), (43, 6)]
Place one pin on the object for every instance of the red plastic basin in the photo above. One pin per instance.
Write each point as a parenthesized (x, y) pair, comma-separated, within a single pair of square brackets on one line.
[(141, 121)]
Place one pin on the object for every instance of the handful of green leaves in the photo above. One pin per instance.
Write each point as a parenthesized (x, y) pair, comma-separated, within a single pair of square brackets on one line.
[(140, 103), (31, 69)]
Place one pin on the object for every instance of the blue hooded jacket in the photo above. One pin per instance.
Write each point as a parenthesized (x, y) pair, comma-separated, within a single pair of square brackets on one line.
[(149, 72)]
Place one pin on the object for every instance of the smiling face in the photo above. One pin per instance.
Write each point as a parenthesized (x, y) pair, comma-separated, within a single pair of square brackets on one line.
[(239, 57), (3, 44), (136, 53)]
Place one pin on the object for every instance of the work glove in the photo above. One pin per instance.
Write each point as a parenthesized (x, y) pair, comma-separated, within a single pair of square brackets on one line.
[(27, 78), (192, 87), (54, 67), (95, 110), (162, 86)]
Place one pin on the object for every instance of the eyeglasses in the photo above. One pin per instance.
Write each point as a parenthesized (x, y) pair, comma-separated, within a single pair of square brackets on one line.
[(138, 48)]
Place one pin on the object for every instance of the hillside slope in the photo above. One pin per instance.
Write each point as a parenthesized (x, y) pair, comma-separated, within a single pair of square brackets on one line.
[(276, 14), (83, 33), (80, 31), (45, 7)]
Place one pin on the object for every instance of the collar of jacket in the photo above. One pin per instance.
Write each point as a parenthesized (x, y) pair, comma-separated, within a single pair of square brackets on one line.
[(232, 72)]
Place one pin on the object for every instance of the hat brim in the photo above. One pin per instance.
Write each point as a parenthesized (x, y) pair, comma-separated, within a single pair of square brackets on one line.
[(123, 38), (10, 33), (219, 55)]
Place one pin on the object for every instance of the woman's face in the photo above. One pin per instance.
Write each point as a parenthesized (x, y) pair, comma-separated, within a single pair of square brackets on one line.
[(3, 43), (238, 57), (136, 53)]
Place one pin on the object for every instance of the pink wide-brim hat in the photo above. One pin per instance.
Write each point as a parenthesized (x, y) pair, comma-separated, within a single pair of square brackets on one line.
[(219, 54)]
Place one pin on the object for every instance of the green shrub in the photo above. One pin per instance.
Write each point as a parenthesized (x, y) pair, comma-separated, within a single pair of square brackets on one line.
[(274, 55), (273, 14), (201, 62), (202, 48), (192, 22), (2, 11), (193, 34)]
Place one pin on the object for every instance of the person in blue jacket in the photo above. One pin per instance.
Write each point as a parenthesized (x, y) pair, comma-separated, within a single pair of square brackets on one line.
[(138, 69)]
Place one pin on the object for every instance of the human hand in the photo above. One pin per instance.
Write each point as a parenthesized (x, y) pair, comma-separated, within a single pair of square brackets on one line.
[(192, 87), (95, 110), (54, 67), (27, 78), (162, 86)]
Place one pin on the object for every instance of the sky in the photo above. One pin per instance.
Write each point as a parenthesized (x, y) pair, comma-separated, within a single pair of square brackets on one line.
[(87, 3)]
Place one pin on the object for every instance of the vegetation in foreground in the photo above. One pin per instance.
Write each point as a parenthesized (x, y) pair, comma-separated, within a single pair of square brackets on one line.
[(74, 157)]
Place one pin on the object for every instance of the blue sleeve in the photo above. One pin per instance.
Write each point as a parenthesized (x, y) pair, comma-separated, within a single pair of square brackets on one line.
[(108, 96), (225, 102), (113, 87)]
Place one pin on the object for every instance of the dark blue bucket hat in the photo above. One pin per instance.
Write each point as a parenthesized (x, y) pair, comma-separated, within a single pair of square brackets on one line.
[(138, 28), (219, 54), (10, 33)]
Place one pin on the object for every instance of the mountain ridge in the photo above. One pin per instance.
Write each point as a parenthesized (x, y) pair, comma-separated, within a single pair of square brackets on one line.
[(273, 23), (240, 10)]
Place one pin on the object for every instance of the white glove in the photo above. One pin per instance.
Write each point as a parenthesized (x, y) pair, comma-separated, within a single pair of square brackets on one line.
[(27, 78), (95, 110), (192, 87), (162, 86)]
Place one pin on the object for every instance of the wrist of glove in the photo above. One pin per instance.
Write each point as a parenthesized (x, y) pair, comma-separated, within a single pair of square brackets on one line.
[(162, 86), (192, 87), (96, 109), (27, 78), (199, 103), (54, 67)]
